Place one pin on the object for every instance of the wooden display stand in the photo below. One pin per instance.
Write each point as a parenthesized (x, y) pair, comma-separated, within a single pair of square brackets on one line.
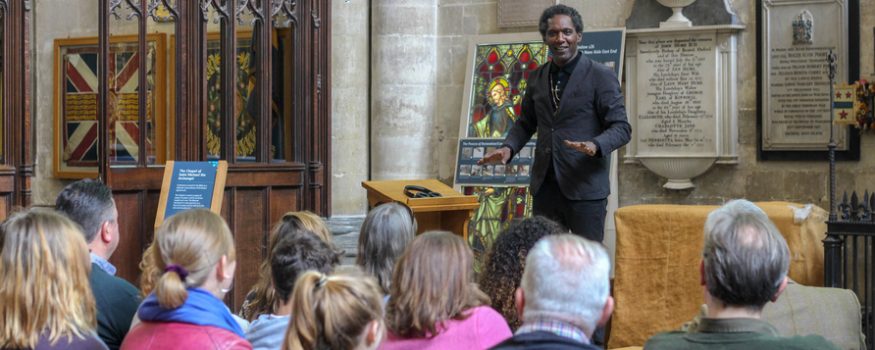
[(451, 212)]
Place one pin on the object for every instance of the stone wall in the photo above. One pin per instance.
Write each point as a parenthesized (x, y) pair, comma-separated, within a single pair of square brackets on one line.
[(76, 20), (457, 20)]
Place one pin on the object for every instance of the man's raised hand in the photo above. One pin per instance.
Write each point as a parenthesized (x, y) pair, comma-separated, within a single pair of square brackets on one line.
[(499, 155)]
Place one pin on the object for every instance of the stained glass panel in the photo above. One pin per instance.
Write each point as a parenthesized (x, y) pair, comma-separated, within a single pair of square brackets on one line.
[(500, 76)]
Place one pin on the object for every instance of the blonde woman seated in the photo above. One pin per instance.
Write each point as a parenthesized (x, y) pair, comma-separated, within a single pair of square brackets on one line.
[(343, 311), (195, 251), (45, 298), (262, 300), (434, 303)]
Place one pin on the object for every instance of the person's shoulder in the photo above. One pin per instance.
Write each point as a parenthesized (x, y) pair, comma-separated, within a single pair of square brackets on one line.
[(265, 324), (541, 340), (543, 69), (99, 276), (665, 340), (105, 285), (484, 311), (800, 343), (598, 69), (88, 342), (485, 314)]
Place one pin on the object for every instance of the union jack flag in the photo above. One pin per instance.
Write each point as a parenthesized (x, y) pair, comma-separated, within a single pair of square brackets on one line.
[(80, 105)]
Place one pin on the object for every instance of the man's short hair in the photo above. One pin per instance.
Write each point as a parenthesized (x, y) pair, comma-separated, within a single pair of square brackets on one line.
[(88, 203), (560, 10), (745, 257), (296, 254), (567, 278)]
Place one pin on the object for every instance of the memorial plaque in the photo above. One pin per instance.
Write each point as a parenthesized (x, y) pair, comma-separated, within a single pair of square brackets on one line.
[(794, 89), (681, 100), (521, 13), (677, 93)]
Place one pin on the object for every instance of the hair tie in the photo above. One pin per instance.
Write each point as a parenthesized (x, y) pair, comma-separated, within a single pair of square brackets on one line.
[(181, 271), (321, 281)]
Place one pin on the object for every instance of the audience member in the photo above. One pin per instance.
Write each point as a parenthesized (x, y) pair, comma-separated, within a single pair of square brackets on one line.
[(564, 294), (294, 254), (744, 265), (261, 299), (833, 313), (45, 301), (434, 303), (313, 223), (89, 203), (387, 230), (185, 311), (503, 269), (343, 311), (151, 274)]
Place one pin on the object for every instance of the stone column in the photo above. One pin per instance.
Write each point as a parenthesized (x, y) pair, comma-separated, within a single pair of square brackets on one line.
[(350, 63), (403, 75)]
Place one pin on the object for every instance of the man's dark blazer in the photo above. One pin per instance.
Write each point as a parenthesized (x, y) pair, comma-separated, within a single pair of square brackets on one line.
[(541, 340), (591, 109)]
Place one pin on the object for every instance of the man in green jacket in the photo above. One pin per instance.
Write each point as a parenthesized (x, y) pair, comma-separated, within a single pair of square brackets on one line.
[(744, 266)]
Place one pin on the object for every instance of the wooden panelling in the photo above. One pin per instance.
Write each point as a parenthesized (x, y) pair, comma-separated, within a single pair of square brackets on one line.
[(136, 220), (135, 178), (256, 193), (16, 163), (283, 200), (250, 224), (261, 177)]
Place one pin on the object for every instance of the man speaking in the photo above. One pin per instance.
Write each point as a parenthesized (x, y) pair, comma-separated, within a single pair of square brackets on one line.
[(576, 107)]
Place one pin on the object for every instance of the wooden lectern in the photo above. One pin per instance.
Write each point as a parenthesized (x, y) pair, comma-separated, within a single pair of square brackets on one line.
[(450, 212)]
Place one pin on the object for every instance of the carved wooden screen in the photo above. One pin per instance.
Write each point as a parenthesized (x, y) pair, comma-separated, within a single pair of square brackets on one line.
[(258, 66), (16, 161)]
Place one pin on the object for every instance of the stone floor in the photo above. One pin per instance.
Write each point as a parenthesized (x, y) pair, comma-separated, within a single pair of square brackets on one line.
[(346, 235)]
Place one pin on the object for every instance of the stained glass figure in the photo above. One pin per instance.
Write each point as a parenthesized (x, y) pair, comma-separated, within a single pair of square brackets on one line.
[(501, 73)]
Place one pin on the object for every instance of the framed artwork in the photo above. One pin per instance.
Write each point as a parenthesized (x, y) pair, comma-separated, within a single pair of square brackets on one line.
[(76, 88), (793, 88), (498, 70), (244, 96)]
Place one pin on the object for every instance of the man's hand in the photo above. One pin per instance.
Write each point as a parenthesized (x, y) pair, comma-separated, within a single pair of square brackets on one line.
[(500, 155), (587, 147)]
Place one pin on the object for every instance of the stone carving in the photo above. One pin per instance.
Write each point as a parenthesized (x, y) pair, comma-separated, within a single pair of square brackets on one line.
[(649, 13), (803, 28)]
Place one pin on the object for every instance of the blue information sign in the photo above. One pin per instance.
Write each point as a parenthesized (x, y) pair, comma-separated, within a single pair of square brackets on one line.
[(191, 186)]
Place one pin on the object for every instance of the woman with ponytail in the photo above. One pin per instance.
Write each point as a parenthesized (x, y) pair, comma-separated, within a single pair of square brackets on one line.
[(45, 298), (343, 311), (195, 251)]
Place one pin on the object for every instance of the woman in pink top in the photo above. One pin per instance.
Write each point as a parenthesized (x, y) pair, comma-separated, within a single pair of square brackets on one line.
[(433, 302)]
